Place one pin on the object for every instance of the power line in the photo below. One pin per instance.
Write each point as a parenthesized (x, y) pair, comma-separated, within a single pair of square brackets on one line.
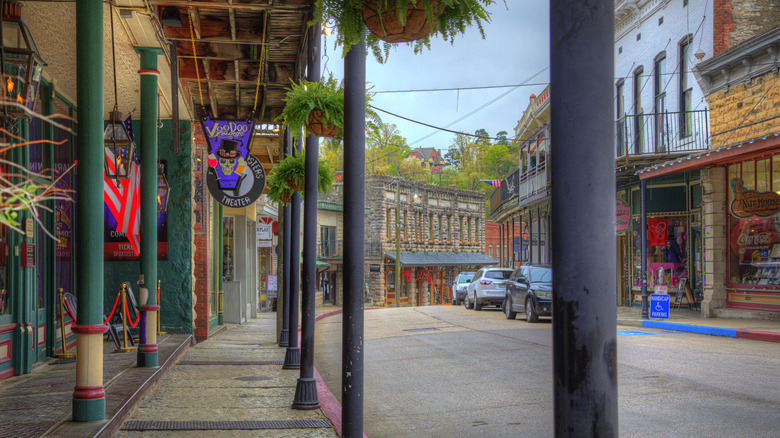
[(486, 87)]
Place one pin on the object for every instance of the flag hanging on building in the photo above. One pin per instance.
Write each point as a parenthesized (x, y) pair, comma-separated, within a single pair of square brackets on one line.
[(128, 122), (130, 222), (493, 182)]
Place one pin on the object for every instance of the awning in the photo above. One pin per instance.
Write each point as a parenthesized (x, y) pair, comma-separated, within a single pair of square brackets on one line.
[(318, 263), (443, 258), (742, 150)]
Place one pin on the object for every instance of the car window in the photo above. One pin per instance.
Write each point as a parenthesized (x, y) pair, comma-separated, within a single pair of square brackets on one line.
[(541, 275), (516, 274), (500, 275), (466, 278)]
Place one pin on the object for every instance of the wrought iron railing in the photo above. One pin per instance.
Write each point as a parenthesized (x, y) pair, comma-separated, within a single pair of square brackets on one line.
[(662, 133), (334, 249)]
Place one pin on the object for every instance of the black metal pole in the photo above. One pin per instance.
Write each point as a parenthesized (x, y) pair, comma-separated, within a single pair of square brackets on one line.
[(354, 207), (284, 337), (530, 238), (583, 197), (306, 388), (643, 246), (292, 357)]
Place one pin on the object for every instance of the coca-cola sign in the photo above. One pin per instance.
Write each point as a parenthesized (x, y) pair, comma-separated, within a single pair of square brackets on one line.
[(752, 234)]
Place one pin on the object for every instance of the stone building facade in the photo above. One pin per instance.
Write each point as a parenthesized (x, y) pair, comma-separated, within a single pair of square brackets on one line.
[(441, 233), (742, 238)]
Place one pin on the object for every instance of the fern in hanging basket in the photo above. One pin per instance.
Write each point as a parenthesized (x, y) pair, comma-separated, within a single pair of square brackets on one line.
[(318, 106), (290, 175), (401, 21)]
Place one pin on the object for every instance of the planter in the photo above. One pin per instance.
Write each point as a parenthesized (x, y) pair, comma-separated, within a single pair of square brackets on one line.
[(316, 126), (390, 29), (294, 185), (286, 197)]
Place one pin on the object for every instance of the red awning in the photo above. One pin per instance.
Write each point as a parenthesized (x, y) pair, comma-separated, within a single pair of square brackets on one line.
[(752, 148)]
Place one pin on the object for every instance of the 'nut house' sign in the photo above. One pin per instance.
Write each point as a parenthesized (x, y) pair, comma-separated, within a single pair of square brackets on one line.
[(235, 177)]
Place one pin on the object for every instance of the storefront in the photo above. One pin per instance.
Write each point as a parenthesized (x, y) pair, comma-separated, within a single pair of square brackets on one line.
[(675, 247), (753, 224)]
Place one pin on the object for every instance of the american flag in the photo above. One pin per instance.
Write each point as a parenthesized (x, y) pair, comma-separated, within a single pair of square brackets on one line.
[(112, 189), (493, 182), (130, 213)]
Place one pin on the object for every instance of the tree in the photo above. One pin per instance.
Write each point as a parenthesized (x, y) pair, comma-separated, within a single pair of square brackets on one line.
[(502, 138), (385, 148)]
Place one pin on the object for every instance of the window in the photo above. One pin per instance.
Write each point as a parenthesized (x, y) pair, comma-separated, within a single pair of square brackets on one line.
[(468, 225), (659, 105), (476, 230), (406, 228), (620, 116), (686, 89), (430, 227), (638, 112), (389, 224), (490, 251), (438, 228), (328, 241), (449, 227), (460, 229)]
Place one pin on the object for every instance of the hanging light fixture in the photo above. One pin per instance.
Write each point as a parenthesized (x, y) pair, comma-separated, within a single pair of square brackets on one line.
[(21, 63), (163, 189), (119, 147)]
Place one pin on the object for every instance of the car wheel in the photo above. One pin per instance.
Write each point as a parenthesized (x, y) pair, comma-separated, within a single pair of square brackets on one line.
[(530, 315), (466, 303), (477, 304), (510, 314)]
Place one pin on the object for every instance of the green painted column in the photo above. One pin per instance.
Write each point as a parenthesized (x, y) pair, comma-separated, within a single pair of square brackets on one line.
[(48, 246), (89, 398), (221, 254), (147, 345)]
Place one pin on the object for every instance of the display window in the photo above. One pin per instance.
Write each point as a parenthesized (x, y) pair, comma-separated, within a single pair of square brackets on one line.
[(667, 249), (754, 222)]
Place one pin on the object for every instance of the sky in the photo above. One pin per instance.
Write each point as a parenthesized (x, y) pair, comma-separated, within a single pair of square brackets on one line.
[(515, 51)]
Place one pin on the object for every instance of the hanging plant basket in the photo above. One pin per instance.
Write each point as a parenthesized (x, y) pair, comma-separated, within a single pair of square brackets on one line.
[(386, 25), (319, 127), (286, 197), (294, 185)]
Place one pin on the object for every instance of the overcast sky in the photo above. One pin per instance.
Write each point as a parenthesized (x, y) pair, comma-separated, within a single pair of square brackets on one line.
[(515, 50)]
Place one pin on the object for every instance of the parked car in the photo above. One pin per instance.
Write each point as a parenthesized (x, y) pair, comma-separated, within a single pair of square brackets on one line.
[(529, 290), (459, 287), (487, 287)]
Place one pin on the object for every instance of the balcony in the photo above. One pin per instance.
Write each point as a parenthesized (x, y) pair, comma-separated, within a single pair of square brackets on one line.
[(334, 249), (666, 133), (534, 182)]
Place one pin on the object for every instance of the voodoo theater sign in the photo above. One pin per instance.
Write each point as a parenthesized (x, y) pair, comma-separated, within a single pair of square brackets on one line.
[(235, 177)]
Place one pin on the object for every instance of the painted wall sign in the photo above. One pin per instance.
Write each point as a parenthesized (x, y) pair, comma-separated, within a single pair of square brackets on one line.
[(235, 177), (28, 255), (748, 203), (622, 217)]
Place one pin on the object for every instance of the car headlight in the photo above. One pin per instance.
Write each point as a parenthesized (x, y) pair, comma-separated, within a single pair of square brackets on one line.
[(543, 293)]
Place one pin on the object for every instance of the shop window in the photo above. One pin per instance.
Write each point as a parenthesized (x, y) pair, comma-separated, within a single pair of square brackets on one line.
[(667, 251), (754, 247), (228, 267)]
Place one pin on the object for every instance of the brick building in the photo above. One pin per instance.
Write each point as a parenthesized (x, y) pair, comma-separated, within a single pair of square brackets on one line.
[(740, 173), (441, 233), (501, 252)]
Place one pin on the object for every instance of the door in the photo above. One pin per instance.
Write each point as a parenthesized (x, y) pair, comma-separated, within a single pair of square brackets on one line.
[(622, 282)]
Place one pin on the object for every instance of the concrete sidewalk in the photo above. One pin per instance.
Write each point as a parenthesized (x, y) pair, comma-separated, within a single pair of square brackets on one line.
[(230, 385), (686, 320)]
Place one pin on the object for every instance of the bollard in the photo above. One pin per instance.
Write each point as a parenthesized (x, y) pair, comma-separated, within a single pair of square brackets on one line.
[(64, 353), (125, 315), (159, 311)]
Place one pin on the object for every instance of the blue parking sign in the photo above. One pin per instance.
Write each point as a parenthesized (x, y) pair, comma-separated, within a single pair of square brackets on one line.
[(659, 306)]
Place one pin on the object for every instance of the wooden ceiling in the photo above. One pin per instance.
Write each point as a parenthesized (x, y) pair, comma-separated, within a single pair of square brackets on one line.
[(228, 40)]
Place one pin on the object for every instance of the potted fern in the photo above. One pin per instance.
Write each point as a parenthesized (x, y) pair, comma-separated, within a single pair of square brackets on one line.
[(401, 21), (318, 106), (290, 175)]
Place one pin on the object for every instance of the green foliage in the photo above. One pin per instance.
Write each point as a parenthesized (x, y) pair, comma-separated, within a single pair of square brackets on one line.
[(290, 172), (455, 17), (303, 98)]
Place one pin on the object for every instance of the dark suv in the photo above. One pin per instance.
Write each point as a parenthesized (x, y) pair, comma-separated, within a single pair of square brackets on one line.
[(529, 290)]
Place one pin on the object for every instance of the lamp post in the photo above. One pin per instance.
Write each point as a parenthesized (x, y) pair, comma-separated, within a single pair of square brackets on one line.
[(398, 240)]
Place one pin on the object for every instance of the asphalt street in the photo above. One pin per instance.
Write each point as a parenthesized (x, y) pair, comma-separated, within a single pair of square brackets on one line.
[(447, 371)]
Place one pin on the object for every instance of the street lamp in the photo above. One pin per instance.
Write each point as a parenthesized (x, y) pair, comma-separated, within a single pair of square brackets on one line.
[(119, 148), (398, 239), (20, 63)]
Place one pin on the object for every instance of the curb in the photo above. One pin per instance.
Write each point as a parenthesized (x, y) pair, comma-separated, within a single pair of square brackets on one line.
[(113, 425), (329, 404), (705, 330)]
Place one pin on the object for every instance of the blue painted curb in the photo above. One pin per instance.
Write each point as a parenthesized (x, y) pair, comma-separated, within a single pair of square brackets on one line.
[(701, 329)]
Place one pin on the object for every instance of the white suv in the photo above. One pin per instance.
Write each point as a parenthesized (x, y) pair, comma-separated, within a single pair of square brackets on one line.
[(459, 287), (487, 287)]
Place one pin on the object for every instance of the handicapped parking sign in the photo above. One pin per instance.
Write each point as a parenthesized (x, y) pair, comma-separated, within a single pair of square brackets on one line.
[(659, 306)]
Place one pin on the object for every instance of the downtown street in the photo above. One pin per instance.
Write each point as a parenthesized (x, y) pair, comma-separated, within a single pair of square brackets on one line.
[(447, 371)]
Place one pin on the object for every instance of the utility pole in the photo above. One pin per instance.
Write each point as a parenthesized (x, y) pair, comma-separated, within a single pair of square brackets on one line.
[(398, 242)]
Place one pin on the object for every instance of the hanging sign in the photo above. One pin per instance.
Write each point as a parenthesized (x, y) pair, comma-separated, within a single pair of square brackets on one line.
[(656, 232), (748, 203), (235, 177), (622, 217)]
